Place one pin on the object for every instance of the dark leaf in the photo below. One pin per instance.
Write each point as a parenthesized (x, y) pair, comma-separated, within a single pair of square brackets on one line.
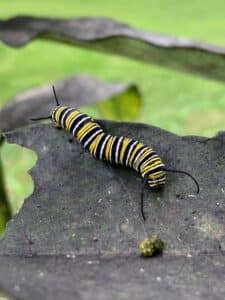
[(75, 91), (78, 234), (121, 277), (113, 37)]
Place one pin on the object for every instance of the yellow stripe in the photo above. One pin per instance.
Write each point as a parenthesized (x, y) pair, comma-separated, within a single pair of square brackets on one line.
[(148, 166), (142, 158), (108, 148), (157, 174), (152, 162), (156, 184), (95, 143), (123, 149), (146, 169), (84, 130), (147, 152), (114, 138), (88, 128), (58, 113), (138, 146), (70, 118), (156, 163)]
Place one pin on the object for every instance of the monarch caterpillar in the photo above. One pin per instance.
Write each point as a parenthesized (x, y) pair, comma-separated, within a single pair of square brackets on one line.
[(114, 149)]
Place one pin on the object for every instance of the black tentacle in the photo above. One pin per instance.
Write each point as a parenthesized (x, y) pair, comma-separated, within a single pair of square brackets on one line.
[(186, 173), (142, 197)]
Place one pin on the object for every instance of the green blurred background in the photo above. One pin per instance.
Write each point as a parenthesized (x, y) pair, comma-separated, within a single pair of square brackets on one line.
[(181, 103)]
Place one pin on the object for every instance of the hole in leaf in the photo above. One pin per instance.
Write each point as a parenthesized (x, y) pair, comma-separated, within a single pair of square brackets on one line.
[(3, 296), (116, 108), (16, 161)]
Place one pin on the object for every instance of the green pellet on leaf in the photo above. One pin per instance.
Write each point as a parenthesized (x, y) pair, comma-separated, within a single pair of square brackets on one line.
[(151, 246)]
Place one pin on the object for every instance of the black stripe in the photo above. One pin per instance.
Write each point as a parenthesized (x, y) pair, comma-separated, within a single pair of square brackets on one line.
[(66, 116), (82, 124), (54, 113), (139, 150), (120, 147), (61, 115), (157, 169), (126, 152), (75, 121), (103, 153), (98, 150), (113, 152), (88, 135), (145, 159)]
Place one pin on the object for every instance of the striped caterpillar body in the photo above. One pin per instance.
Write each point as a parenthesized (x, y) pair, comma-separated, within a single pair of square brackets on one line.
[(113, 149)]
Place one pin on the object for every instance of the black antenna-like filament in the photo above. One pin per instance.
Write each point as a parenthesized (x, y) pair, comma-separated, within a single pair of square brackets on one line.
[(42, 118), (48, 117), (142, 197), (56, 99), (166, 170), (186, 173)]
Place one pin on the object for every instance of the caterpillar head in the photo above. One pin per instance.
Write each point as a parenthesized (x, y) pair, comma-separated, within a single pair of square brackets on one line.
[(56, 115), (157, 177)]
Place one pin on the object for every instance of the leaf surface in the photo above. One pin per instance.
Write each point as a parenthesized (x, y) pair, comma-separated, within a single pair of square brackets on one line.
[(78, 234), (107, 35)]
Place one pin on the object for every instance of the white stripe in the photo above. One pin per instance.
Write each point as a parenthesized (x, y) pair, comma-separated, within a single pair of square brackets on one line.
[(103, 145), (87, 133), (53, 112), (117, 149), (156, 181), (95, 150), (131, 149), (110, 154), (64, 114), (160, 165), (147, 161), (141, 152), (81, 121), (74, 119), (91, 137)]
